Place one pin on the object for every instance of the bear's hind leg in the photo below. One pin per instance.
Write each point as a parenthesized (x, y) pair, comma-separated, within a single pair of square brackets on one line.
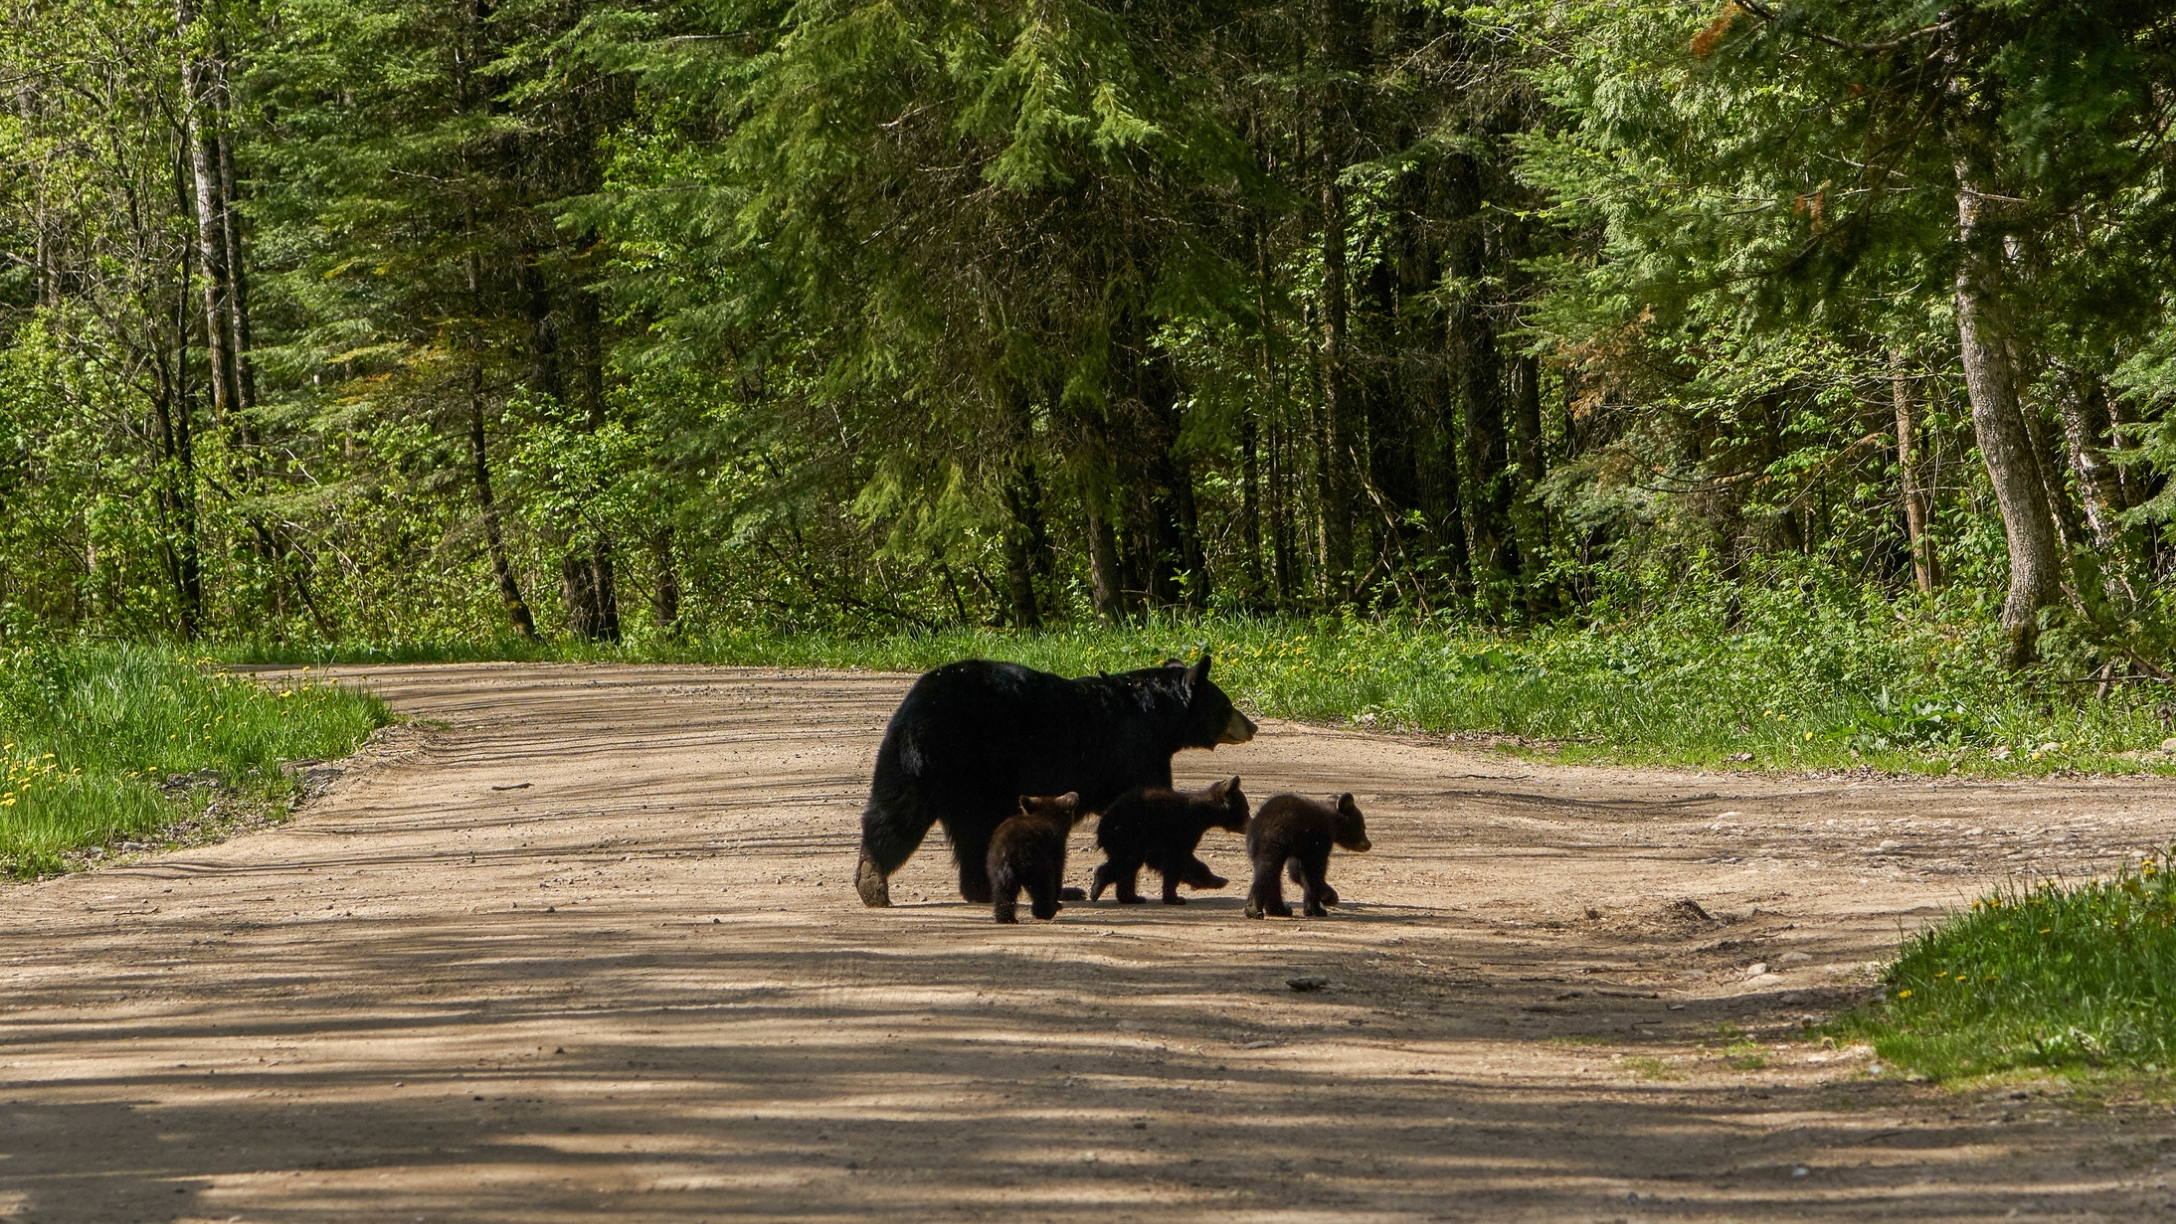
[(1267, 894), (1315, 886), (1043, 895), (1329, 894), (973, 851)]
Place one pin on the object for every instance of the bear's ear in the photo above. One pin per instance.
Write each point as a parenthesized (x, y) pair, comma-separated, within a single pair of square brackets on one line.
[(1346, 805), (1199, 672), (1172, 663), (1231, 784)]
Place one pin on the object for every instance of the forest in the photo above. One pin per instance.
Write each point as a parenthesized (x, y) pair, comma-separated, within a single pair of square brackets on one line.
[(588, 321)]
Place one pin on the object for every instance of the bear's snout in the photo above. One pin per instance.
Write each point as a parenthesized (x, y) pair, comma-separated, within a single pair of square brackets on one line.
[(1362, 846), (1237, 731)]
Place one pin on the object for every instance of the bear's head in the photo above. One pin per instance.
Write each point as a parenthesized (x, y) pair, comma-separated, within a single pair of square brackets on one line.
[(1211, 718), (1351, 829), (1231, 803), (1065, 808)]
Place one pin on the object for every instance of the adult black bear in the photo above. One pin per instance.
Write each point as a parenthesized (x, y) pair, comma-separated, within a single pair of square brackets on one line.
[(1028, 852), (1158, 828), (973, 737), (1299, 831)]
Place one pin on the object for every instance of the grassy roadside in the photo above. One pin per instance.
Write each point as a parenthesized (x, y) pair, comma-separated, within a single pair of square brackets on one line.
[(2073, 978), (1770, 693), (88, 734)]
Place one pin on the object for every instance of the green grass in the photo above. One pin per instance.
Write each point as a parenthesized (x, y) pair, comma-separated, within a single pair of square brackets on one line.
[(2070, 977), (87, 734), (1790, 681)]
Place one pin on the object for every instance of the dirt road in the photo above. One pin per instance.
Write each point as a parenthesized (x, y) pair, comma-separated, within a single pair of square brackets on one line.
[(589, 948)]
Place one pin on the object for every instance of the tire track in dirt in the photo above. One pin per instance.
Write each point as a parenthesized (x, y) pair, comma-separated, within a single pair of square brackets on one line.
[(640, 986)]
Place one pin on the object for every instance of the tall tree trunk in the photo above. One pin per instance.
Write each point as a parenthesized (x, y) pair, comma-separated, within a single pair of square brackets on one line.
[(177, 429), (1250, 505), (1486, 454), (1342, 44), (238, 330), (1528, 522), (479, 457), (665, 595), (1918, 510), (1023, 540), (201, 134), (1105, 577), (1998, 424), (2083, 403), (1284, 564)]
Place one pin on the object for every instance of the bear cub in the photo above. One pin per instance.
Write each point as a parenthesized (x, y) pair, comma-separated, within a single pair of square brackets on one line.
[(1300, 832), (1028, 852), (1154, 827)]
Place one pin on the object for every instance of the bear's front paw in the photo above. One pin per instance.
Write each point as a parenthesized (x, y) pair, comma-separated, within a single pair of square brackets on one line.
[(1174, 899), (1315, 910), (869, 881)]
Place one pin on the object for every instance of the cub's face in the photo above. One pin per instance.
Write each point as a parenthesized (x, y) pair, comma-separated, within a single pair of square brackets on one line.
[(1351, 829), (1065, 808), (1233, 801)]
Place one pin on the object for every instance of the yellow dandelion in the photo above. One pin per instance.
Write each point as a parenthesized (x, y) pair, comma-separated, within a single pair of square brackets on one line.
[(1903, 994)]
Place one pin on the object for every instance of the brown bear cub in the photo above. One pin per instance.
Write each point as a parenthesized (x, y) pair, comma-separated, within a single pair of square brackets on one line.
[(1028, 852), (1299, 831), (1153, 827)]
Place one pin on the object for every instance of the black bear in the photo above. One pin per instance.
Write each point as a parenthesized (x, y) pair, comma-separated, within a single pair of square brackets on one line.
[(972, 737), (1299, 831), (1160, 828), (1028, 852)]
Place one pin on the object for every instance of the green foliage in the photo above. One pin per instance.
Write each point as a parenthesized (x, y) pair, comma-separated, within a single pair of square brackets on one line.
[(2068, 976), (91, 733), (1787, 672)]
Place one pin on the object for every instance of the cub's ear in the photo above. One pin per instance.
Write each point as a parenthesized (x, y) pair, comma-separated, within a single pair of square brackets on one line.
[(1172, 663), (1232, 783), (1346, 805), (1199, 671)]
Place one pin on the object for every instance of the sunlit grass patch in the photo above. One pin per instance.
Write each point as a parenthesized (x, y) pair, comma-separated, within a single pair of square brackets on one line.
[(1653, 1068), (88, 734), (2063, 976)]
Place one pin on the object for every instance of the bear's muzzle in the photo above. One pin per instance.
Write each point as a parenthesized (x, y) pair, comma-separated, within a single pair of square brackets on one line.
[(1237, 731)]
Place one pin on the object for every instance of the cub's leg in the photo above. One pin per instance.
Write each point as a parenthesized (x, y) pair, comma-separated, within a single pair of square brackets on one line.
[(1314, 884), (1043, 894), (1329, 894), (1005, 902), (1267, 894)]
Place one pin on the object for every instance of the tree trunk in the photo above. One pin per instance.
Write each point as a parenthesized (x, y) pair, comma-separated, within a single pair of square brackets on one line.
[(2083, 404), (1918, 510), (1284, 564), (200, 133), (665, 595), (176, 408), (1528, 522), (517, 608), (1486, 454), (1104, 575), (1250, 506), (1023, 542), (1340, 424), (1998, 423)]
